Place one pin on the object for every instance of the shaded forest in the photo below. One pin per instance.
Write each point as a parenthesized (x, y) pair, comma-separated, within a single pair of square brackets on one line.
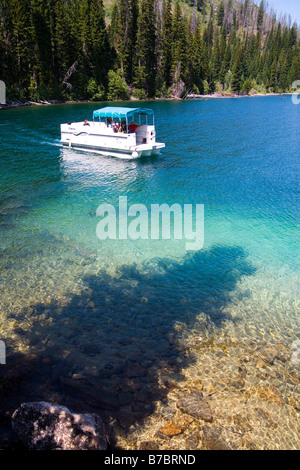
[(87, 50)]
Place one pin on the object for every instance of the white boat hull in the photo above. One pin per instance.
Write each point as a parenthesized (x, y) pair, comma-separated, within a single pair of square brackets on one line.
[(132, 154)]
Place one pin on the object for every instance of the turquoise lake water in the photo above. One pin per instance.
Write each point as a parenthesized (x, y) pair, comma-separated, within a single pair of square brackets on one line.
[(96, 307)]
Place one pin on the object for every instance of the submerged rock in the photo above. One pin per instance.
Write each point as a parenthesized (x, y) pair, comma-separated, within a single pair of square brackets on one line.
[(126, 419), (213, 440), (195, 405), (268, 355), (149, 445), (170, 429), (44, 426)]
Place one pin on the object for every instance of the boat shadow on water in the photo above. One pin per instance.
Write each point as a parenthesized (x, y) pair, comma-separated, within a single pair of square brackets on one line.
[(116, 348)]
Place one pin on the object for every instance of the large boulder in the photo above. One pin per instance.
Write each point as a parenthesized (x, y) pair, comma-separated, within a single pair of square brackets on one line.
[(44, 426)]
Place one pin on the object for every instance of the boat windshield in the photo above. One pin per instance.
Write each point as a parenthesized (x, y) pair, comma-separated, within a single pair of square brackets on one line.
[(138, 116)]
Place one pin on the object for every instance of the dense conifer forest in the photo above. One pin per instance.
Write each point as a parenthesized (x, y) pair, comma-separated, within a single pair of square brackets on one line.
[(87, 50)]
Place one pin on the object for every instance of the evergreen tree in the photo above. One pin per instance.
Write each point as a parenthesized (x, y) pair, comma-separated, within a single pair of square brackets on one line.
[(179, 44), (69, 45), (247, 86), (293, 34), (261, 15), (146, 48), (237, 77), (40, 17), (273, 80), (216, 61), (283, 73), (294, 72), (132, 39), (197, 62), (220, 13), (225, 64), (100, 52), (117, 88), (167, 58), (200, 5), (120, 29)]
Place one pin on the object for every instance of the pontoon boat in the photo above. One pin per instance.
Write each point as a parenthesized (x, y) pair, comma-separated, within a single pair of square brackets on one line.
[(115, 131)]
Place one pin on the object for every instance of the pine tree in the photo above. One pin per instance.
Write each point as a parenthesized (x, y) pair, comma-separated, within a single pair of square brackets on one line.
[(216, 61), (120, 28), (69, 47), (179, 44), (294, 72), (200, 5), (237, 71), (283, 72), (293, 34), (132, 39), (197, 75), (225, 64), (261, 15), (100, 52), (21, 37), (40, 18), (117, 88), (273, 81), (220, 13), (146, 48), (113, 27), (167, 58)]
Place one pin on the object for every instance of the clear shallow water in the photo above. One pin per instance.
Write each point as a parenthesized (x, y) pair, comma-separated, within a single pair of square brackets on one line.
[(95, 311)]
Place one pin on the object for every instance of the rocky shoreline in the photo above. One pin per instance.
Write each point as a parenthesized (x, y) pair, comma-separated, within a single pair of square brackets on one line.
[(19, 104), (217, 95)]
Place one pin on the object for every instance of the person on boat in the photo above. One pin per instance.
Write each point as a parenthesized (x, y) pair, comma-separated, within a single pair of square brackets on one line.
[(109, 123), (132, 127), (115, 126), (86, 123), (123, 127)]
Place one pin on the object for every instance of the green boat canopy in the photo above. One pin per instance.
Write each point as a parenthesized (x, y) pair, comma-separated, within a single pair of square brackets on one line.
[(121, 113)]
